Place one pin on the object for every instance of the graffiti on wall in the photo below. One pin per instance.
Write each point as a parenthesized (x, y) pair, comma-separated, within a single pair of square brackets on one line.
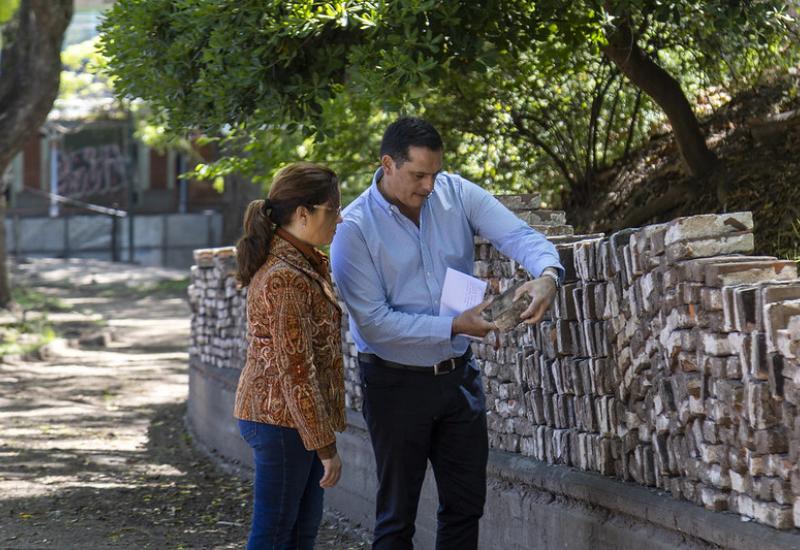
[(91, 170)]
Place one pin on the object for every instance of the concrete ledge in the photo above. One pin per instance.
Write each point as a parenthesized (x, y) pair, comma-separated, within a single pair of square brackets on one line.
[(530, 504), (209, 413), (639, 503)]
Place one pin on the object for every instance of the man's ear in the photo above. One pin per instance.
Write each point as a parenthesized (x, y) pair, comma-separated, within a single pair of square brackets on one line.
[(387, 163)]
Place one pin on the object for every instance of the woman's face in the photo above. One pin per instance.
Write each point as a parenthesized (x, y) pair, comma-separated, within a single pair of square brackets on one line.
[(322, 221)]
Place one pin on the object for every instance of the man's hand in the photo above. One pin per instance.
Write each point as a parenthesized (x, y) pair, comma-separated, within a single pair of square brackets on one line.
[(542, 292), (472, 323), (332, 471)]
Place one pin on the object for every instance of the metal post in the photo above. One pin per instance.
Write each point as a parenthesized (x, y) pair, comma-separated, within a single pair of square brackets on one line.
[(209, 228), (164, 239), (66, 236), (182, 184), (54, 210), (114, 239), (126, 151)]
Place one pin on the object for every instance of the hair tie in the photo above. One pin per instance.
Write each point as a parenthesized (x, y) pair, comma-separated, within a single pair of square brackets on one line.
[(268, 205)]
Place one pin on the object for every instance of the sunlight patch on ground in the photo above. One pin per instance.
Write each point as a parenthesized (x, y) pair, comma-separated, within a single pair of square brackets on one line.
[(81, 272)]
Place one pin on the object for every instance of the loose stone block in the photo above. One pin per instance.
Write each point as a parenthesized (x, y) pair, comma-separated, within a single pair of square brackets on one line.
[(774, 514), (714, 499), (741, 483), (796, 512), (776, 317), (703, 248), (734, 273), (760, 408), (707, 225)]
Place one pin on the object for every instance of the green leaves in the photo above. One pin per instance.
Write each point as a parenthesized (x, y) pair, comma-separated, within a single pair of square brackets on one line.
[(7, 10), (519, 88)]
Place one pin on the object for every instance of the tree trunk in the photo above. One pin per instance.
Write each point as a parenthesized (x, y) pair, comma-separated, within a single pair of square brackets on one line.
[(239, 191), (646, 75), (30, 73), (5, 290)]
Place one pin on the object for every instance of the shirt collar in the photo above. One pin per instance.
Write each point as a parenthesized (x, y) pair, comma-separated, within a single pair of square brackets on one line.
[(316, 258), (376, 194)]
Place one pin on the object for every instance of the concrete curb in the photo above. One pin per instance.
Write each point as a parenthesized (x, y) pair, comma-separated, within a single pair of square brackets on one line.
[(643, 504)]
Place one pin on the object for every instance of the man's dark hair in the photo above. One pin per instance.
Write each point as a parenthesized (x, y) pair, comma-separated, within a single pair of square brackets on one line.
[(408, 132)]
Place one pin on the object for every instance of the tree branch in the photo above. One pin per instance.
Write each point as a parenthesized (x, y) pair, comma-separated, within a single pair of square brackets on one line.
[(523, 130), (647, 75)]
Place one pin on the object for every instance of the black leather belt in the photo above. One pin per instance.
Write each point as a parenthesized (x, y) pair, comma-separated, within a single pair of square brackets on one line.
[(445, 367)]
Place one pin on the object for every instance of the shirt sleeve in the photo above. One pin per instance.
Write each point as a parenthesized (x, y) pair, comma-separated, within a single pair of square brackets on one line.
[(507, 232), (288, 315), (382, 326)]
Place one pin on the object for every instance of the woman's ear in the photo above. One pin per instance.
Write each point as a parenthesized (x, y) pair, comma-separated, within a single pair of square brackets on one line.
[(302, 213)]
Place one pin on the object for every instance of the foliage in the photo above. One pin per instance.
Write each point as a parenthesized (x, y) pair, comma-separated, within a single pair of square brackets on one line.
[(26, 337), (33, 300), (34, 329), (519, 88), (787, 244), (83, 72), (7, 9)]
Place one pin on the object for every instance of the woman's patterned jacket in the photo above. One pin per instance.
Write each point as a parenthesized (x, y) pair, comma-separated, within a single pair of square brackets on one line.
[(294, 373)]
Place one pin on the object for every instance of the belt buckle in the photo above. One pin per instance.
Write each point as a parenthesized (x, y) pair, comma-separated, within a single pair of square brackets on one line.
[(437, 372)]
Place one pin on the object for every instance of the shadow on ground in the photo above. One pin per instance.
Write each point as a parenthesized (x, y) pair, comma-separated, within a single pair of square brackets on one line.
[(93, 448), (165, 495)]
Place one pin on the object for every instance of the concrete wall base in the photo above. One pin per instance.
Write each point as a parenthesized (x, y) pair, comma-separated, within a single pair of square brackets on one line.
[(530, 504)]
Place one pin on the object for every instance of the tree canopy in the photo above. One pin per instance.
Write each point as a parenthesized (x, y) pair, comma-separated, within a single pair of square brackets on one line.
[(542, 90)]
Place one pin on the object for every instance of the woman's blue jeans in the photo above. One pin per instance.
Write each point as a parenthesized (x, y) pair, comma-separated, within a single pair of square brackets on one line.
[(287, 506)]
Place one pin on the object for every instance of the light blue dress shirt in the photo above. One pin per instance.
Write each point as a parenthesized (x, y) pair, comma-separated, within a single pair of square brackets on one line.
[(390, 272)]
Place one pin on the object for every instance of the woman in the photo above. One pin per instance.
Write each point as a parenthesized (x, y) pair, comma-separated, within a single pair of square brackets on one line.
[(290, 398)]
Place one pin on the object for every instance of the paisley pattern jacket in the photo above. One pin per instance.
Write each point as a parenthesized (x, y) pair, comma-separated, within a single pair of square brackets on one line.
[(294, 373)]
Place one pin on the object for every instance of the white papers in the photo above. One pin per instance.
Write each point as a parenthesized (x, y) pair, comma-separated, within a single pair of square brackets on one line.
[(459, 293)]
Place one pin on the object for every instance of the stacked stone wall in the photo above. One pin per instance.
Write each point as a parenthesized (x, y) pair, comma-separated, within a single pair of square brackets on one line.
[(670, 358)]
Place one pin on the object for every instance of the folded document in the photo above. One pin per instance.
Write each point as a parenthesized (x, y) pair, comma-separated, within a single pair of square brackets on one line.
[(459, 293)]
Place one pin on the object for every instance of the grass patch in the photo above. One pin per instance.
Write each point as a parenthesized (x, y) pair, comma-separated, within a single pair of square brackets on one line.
[(788, 242), (25, 337), (31, 328), (30, 299)]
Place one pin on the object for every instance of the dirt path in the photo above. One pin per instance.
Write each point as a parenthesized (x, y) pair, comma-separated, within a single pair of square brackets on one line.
[(93, 450)]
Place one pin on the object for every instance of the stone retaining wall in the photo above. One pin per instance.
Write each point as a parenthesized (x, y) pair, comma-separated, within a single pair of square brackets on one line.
[(671, 359)]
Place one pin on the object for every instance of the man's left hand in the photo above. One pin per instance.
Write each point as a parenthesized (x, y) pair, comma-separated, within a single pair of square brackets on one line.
[(542, 292)]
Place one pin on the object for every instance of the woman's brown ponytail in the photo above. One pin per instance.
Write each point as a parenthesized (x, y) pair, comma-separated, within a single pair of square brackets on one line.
[(253, 248)]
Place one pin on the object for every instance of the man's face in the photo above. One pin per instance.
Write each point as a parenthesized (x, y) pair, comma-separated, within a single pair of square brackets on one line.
[(411, 182)]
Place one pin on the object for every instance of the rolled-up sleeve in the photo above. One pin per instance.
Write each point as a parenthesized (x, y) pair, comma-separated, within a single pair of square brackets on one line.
[(507, 232)]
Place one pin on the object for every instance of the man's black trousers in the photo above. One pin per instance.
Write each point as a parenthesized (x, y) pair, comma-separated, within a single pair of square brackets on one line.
[(415, 417)]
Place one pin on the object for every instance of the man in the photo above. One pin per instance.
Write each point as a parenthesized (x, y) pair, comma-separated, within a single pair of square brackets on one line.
[(423, 394)]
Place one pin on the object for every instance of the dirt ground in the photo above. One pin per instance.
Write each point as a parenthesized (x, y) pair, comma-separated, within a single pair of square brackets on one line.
[(93, 449)]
